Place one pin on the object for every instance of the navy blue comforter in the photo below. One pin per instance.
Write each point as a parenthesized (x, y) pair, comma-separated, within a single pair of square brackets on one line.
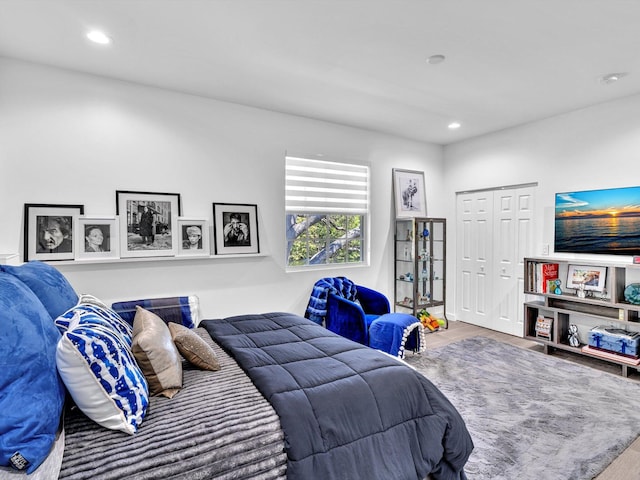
[(347, 411)]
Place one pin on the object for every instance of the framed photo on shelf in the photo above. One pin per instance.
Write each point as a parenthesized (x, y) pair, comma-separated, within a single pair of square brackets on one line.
[(48, 231), (148, 223), (235, 228), (194, 236), (97, 237), (592, 278), (409, 193)]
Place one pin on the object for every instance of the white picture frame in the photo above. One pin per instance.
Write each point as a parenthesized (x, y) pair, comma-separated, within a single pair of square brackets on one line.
[(592, 278), (97, 237), (409, 193), (190, 229)]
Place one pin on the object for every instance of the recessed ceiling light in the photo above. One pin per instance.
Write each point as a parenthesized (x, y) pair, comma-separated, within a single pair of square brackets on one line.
[(612, 77), (454, 125), (98, 36), (435, 59)]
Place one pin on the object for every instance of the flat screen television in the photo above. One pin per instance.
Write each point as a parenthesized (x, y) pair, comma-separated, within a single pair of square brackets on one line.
[(598, 221)]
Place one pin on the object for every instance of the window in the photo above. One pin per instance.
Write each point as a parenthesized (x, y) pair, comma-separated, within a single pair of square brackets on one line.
[(327, 206)]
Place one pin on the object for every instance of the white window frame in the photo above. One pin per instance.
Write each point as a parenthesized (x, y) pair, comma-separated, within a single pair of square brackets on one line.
[(327, 187)]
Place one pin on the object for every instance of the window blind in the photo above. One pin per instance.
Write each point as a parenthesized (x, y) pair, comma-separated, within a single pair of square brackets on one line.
[(323, 186)]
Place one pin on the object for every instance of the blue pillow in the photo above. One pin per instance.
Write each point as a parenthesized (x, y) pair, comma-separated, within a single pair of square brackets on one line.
[(31, 392), (49, 285), (96, 314), (99, 370), (181, 310)]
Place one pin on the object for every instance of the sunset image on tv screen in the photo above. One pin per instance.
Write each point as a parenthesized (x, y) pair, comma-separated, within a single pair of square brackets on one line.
[(598, 221)]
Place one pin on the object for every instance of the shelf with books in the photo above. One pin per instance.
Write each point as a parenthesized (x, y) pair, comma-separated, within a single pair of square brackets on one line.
[(573, 310), (542, 276)]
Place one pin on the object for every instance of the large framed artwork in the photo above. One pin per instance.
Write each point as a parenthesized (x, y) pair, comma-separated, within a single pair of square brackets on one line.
[(48, 231), (409, 192), (194, 236), (97, 237), (235, 228), (148, 223)]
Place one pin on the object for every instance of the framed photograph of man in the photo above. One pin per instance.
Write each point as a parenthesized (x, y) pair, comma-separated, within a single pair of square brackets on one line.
[(148, 223), (235, 228), (194, 236), (97, 237), (409, 193), (48, 231)]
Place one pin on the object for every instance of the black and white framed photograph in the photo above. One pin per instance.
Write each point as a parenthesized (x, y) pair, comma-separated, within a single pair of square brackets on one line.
[(235, 228), (409, 192), (194, 236), (97, 237), (48, 231), (148, 223), (586, 277)]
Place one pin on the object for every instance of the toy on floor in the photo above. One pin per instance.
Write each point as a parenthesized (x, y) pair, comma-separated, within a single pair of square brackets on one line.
[(429, 321)]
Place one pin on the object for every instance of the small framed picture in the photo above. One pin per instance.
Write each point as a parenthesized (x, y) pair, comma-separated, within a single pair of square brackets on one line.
[(235, 228), (97, 237), (148, 223), (409, 193), (591, 278), (48, 231), (194, 236)]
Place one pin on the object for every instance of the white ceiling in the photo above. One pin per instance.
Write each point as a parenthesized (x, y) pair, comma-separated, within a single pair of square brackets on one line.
[(354, 62)]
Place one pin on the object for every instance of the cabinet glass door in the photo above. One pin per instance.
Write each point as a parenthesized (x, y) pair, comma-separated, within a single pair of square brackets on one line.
[(420, 255), (404, 264)]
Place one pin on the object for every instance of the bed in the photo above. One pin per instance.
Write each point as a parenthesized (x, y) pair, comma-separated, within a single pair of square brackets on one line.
[(291, 400)]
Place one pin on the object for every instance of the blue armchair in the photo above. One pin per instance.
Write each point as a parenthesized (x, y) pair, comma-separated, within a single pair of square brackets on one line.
[(352, 319)]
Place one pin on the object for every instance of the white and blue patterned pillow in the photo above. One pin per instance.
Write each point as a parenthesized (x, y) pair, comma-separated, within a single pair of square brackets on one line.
[(100, 372), (96, 315)]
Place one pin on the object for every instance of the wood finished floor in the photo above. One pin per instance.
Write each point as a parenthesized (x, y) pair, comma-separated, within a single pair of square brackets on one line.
[(627, 465)]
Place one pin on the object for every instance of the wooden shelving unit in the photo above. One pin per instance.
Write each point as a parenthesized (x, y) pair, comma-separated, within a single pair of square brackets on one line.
[(607, 308)]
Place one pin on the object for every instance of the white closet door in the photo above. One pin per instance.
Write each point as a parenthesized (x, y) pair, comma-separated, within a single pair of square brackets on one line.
[(473, 246), (513, 211), (494, 232)]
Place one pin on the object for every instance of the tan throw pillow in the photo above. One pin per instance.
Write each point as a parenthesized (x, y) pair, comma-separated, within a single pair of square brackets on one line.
[(193, 348), (156, 354)]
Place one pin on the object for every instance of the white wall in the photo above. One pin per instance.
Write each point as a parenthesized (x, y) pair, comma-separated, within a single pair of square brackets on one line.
[(593, 148), (70, 138)]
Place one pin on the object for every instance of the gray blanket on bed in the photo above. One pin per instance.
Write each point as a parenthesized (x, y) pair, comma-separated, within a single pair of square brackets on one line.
[(348, 412), (218, 426)]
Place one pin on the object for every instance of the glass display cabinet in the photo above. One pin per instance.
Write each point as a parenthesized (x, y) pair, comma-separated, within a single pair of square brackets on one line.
[(420, 253)]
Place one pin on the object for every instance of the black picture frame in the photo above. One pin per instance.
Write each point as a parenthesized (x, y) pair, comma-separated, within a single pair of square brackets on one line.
[(148, 223), (48, 231), (241, 218)]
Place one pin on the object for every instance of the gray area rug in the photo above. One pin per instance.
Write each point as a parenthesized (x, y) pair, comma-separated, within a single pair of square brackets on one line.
[(531, 415)]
